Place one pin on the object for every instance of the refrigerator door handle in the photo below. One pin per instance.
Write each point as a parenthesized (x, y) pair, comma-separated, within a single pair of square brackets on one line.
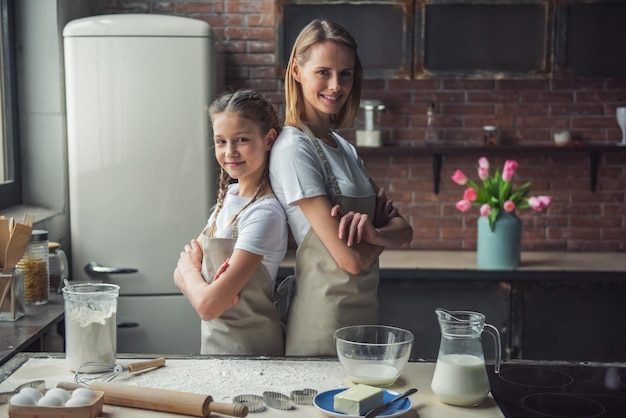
[(95, 269)]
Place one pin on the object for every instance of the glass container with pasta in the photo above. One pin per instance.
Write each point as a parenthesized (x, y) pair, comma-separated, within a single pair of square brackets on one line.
[(34, 263)]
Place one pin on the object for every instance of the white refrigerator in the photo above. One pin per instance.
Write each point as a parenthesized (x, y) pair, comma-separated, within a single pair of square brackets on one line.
[(142, 175)]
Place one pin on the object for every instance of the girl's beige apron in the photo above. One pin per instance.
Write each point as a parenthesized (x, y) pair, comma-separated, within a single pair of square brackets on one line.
[(252, 326), (327, 297)]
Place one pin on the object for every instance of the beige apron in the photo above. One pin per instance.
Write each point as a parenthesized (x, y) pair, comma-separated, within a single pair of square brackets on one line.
[(327, 297), (252, 326)]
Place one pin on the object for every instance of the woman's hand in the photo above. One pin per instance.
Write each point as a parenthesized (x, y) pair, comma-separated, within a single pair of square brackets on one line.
[(384, 211), (354, 227)]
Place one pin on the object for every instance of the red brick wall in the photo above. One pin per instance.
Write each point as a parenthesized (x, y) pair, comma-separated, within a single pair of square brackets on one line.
[(527, 111)]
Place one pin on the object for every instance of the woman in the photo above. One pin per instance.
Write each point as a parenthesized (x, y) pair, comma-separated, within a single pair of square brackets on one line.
[(340, 220)]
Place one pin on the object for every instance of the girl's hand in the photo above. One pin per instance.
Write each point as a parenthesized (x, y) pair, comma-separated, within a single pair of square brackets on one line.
[(188, 265), (354, 227), (384, 211), (219, 272)]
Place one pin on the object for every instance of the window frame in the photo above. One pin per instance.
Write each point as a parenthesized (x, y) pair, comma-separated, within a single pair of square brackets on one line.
[(11, 191)]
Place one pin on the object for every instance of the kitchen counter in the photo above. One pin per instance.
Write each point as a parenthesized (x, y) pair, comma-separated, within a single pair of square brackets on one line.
[(225, 377), (16, 336), (535, 265)]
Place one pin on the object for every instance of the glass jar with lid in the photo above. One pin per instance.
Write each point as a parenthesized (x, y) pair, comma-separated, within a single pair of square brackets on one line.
[(59, 269), (35, 266)]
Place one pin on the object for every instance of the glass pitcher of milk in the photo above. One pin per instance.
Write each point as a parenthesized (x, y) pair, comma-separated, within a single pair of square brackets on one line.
[(460, 376)]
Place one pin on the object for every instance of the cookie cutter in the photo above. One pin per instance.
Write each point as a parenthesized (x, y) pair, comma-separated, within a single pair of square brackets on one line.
[(253, 402), (303, 397), (277, 400)]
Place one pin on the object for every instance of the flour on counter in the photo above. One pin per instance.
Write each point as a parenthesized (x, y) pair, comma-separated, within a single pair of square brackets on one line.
[(223, 379)]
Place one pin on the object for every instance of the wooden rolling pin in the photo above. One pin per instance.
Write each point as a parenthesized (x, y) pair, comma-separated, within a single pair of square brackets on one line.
[(162, 400)]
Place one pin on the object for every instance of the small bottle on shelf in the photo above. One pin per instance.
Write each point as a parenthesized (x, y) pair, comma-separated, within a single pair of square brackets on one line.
[(431, 134)]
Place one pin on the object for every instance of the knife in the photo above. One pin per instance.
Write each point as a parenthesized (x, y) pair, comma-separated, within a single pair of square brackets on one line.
[(374, 412)]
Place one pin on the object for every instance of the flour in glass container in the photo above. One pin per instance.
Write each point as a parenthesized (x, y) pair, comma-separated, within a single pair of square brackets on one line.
[(90, 335)]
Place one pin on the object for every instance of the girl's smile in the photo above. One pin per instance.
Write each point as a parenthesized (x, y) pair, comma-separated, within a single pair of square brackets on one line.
[(241, 149)]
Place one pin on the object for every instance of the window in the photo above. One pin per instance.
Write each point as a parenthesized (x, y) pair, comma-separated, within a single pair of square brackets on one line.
[(10, 178)]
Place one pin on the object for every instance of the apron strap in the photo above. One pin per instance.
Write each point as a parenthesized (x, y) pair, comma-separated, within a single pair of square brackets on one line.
[(234, 226), (320, 153)]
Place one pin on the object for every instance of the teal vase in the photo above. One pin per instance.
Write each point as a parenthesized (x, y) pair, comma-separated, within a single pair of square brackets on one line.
[(499, 249)]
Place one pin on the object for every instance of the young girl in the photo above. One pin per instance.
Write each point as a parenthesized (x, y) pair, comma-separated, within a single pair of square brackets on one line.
[(228, 273), (340, 220)]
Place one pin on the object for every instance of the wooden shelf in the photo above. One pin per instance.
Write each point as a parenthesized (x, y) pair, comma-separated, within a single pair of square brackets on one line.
[(438, 151)]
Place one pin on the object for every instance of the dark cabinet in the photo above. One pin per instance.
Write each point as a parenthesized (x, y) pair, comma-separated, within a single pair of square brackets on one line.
[(589, 38), (411, 304), (546, 314), (573, 321), (471, 38)]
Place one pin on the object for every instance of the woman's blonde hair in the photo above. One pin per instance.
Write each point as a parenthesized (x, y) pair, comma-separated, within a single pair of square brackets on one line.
[(316, 32), (250, 105)]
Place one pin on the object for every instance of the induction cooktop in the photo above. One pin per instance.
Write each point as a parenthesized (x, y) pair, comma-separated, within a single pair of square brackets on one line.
[(560, 390)]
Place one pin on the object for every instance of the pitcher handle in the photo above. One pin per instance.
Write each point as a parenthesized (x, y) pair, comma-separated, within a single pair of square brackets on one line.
[(496, 337)]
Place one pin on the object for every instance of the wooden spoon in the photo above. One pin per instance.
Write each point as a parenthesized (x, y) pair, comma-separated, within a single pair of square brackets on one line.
[(17, 245), (4, 238)]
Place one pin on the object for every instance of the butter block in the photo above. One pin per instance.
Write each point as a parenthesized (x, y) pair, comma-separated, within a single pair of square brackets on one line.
[(358, 399)]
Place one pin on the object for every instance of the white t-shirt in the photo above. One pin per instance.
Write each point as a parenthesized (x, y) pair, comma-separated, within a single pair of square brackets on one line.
[(262, 227), (296, 172)]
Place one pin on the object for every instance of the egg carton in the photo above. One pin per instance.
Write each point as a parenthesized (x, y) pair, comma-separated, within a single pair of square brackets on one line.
[(92, 409)]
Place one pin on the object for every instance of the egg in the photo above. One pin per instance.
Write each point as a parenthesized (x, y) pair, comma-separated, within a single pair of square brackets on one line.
[(22, 399), (84, 393), (32, 392), (60, 393), (78, 402), (50, 400)]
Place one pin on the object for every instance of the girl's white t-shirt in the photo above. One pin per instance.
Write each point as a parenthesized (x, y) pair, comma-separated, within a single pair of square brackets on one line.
[(296, 172), (262, 227)]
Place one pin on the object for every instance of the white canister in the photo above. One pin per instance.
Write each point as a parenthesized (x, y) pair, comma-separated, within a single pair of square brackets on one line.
[(561, 138), (367, 122)]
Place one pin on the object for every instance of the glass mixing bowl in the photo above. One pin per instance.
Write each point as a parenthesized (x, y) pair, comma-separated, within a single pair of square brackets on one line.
[(373, 354)]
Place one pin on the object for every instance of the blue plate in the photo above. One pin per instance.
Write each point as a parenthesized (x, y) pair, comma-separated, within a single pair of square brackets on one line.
[(325, 402)]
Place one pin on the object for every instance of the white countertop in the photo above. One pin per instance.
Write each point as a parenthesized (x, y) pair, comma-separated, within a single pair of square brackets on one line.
[(225, 378)]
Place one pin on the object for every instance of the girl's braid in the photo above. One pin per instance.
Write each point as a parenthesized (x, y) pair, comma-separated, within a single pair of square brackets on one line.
[(225, 180)]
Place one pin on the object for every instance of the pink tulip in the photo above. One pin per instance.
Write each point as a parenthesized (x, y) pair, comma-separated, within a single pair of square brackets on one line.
[(539, 203), (509, 169), (470, 194), (509, 206), (459, 178), (485, 210), (483, 162), (463, 205), (483, 173), (545, 200)]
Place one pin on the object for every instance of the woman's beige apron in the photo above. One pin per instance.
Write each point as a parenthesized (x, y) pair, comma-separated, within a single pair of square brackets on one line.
[(252, 326), (327, 297)]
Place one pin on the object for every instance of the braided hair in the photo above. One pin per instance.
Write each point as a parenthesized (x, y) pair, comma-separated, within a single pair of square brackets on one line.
[(250, 105)]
